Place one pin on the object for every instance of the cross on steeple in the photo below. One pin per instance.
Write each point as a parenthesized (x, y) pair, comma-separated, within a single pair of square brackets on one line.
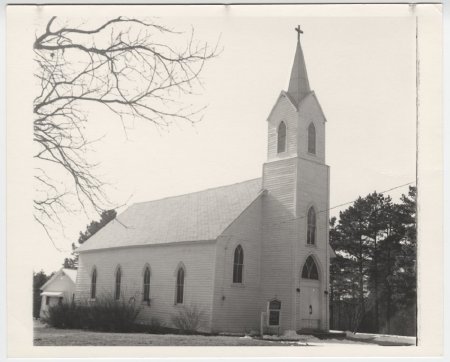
[(298, 83), (299, 31)]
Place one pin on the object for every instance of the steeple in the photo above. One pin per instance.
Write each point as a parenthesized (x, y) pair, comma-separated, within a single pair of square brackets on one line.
[(298, 84)]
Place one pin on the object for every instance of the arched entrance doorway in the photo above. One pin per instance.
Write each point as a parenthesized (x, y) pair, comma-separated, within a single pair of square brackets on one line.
[(310, 303)]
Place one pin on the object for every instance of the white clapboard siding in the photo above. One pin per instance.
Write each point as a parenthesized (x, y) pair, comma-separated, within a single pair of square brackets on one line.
[(235, 307), (310, 111), (198, 259), (284, 111)]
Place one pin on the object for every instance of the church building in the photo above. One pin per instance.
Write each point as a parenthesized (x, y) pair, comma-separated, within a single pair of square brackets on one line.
[(246, 255)]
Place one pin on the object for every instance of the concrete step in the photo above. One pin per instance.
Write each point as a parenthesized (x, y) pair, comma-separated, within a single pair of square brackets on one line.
[(322, 334)]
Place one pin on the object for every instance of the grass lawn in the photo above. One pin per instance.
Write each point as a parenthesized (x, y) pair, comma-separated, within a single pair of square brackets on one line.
[(49, 336)]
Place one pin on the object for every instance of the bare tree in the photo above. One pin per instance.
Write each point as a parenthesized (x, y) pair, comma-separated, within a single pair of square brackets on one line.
[(125, 65)]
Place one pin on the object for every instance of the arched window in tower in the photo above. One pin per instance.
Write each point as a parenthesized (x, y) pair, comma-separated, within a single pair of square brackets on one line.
[(311, 230), (117, 284), (238, 264), (180, 286), (312, 138), (310, 269), (146, 297), (93, 283), (281, 146)]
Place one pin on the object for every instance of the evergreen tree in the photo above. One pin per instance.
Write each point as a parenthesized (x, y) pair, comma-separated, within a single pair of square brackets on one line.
[(375, 267), (353, 256), (39, 279)]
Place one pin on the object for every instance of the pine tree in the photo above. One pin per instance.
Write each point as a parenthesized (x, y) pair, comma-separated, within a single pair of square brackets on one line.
[(39, 279), (375, 267)]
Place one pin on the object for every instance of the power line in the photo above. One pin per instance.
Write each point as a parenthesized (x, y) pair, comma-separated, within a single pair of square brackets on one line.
[(381, 192), (343, 204)]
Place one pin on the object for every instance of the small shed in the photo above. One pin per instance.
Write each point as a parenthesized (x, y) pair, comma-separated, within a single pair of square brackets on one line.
[(59, 288)]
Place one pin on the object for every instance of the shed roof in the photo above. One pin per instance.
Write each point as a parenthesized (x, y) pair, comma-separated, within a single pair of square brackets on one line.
[(198, 216), (71, 274)]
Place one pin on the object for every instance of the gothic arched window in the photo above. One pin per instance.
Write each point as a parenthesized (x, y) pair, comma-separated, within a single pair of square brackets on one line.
[(93, 283), (311, 230), (310, 269), (311, 138), (281, 145), (180, 286), (274, 312), (146, 284), (117, 284), (238, 264)]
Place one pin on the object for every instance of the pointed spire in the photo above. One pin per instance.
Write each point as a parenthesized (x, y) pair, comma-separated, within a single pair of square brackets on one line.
[(298, 84)]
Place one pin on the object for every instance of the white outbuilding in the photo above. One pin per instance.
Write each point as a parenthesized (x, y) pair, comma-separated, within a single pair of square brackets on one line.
[(59, 288)]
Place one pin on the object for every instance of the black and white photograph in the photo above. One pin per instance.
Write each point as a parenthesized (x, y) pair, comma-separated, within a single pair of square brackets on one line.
[(240, 175)]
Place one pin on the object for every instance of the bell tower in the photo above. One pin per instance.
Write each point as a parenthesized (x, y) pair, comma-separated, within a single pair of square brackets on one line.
[(295, 208)]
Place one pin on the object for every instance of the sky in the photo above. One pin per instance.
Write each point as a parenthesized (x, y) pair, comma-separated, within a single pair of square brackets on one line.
[(362, 70)]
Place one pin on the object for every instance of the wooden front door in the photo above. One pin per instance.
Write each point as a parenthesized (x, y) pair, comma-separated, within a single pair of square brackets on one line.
[(310, 305)]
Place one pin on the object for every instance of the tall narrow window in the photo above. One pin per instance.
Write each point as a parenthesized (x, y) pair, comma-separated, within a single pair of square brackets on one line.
[(312, 138), (238, 264), (93, 283), (281, 147), (310, 269), (311, 231), (118, 281), (274, 312), (147, 284), (180, 286)]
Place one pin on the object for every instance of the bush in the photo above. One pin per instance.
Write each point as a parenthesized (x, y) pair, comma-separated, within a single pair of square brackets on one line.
[(188, 319), (106, 315)]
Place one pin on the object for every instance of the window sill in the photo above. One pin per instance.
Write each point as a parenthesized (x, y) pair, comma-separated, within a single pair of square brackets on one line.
[(237, 285), (311, 245)]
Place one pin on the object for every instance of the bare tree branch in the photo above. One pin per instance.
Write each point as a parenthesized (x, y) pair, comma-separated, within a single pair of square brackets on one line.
[(126, 65)]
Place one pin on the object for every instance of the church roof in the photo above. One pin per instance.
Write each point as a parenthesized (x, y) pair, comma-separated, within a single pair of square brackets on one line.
[(298, 83), (198, 216), (71, 273)]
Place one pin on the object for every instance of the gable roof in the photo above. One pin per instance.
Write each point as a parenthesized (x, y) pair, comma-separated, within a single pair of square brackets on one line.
[(288, 97), (71, 274), (312, 95), (198, 216)]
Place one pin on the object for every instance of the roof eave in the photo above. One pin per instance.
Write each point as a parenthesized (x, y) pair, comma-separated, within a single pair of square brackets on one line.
[(149, 245)]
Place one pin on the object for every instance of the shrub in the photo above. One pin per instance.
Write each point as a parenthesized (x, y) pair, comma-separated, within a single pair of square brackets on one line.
[(102, 315), (188, 319), (61, 316)]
